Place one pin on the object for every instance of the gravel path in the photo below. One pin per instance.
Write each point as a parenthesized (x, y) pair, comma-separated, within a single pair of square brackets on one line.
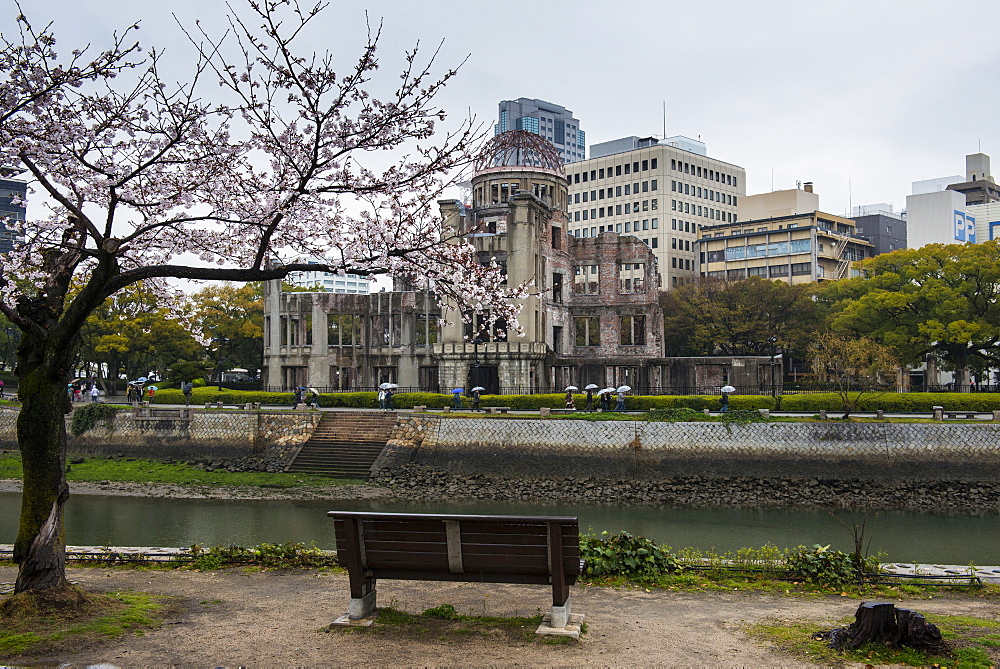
[(238, 618)]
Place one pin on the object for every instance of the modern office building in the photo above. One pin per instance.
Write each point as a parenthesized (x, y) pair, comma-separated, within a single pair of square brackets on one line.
[(553, 122), (782, 235), (880, 225), (331, 283), (950, 210), (663, 192), (10, 189)]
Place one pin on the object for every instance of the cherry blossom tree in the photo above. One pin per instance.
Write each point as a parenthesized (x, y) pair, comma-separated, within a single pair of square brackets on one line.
[(148, 180)]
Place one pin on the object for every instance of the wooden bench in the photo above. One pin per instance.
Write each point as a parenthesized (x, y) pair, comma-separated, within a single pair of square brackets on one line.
[(562, 411), (968, 415), (497, 409), (430, 547)]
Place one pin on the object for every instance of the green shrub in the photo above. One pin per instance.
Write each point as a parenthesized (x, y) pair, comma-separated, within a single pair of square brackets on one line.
[(85, 417), (283, 555), (684, 414), (821, 566), (625, 555)]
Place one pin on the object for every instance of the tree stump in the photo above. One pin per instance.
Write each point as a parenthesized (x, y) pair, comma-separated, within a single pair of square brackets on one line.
[(882, 622)]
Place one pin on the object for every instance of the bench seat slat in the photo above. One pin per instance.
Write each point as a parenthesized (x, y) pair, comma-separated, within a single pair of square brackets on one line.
[(468, 577)]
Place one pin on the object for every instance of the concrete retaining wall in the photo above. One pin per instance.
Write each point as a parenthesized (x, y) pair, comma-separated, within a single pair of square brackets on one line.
[(656, 451), (208, 436), (943, 468)]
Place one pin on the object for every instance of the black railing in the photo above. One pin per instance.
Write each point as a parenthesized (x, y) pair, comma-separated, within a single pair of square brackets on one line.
[(787, 389)]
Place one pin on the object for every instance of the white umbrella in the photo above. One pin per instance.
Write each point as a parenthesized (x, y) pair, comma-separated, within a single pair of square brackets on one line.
[(623, 389), (605, 391), (384, 386), (314, 391), (392, 386), (728, 389), (478, 388), (590, 386), (571, 388)]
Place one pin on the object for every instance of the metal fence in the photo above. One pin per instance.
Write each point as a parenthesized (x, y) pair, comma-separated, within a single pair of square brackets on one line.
[(788, 389)]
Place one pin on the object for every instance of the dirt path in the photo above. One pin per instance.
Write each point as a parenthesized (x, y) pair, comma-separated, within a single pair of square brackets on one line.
[(235, 618)]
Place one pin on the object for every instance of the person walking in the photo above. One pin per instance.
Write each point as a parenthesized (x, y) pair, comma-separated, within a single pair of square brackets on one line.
[(1, 387), (381, 399), (620, 406), (458, 398), (590, 399), (475, 400), (94, 392), (388, 399), (187, 387), (605, 402), (298, 398), (570, 404), (725, 402), (314, 399)]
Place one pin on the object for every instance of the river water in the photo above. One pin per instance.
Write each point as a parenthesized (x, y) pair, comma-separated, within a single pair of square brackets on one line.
[(98, 520)]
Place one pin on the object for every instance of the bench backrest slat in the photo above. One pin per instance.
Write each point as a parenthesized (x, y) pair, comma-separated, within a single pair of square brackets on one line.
[(482, 547)]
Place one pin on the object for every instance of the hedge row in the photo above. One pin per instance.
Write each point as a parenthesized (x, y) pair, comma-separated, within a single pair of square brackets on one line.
[(891, 402)]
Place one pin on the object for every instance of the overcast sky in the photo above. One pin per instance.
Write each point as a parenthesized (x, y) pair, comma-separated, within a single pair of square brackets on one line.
[(859, 97)]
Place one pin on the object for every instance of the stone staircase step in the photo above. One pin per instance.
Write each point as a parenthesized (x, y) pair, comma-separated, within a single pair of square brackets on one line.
[(344, 444)]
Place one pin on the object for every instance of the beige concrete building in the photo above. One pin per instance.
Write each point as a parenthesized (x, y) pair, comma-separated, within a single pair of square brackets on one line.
[(662, 192), (782, 235)]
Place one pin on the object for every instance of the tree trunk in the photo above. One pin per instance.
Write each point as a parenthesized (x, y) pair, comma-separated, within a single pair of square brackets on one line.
[(40, 549), (883, 623)]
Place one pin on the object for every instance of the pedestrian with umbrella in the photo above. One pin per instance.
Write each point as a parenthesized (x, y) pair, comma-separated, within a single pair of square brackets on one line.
[(298, 397), (388, 396), (605, 394), (725, 397), (621, 397), (313, 399), (457, 393), (590, 388), (475, 397), (570, 403)]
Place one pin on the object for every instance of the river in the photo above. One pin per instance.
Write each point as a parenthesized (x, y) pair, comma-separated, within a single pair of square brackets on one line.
[(104, 520)]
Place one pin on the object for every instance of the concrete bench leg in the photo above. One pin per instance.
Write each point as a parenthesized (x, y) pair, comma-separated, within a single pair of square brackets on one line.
[(560, 621), (361, 607), (359, 612)]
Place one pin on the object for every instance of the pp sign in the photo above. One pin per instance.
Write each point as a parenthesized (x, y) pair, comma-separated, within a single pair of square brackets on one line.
[(965, 227)]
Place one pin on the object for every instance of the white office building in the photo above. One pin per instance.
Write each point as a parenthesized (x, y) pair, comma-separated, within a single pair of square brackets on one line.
[(331, 283), (955, 209), (660, 191)]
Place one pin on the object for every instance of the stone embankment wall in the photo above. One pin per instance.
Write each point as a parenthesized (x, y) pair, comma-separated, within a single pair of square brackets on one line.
[(879, 465), (251, 440)]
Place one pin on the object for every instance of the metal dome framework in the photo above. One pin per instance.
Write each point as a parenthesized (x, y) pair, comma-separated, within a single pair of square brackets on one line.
[(519, 148)]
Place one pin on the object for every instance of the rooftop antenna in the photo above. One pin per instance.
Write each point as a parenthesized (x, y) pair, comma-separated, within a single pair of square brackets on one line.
[(772, 178), (664, 119), (850, 199)]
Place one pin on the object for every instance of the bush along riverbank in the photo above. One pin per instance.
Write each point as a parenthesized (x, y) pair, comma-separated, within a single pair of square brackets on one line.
[(889, 402), (427, 483)]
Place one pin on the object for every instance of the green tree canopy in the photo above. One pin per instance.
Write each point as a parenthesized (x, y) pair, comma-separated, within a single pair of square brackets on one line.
[(936, 299), (233, 313), (739, 318)]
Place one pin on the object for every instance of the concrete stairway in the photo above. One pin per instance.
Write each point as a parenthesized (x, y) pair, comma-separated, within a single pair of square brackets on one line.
[(345, 444)]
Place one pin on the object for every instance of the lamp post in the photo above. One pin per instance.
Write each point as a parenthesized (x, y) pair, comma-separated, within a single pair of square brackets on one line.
[(221, 341), (774, 390)]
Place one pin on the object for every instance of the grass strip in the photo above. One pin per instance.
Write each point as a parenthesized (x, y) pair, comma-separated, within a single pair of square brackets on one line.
[(975, 643), (137, 470), (27, 629)]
